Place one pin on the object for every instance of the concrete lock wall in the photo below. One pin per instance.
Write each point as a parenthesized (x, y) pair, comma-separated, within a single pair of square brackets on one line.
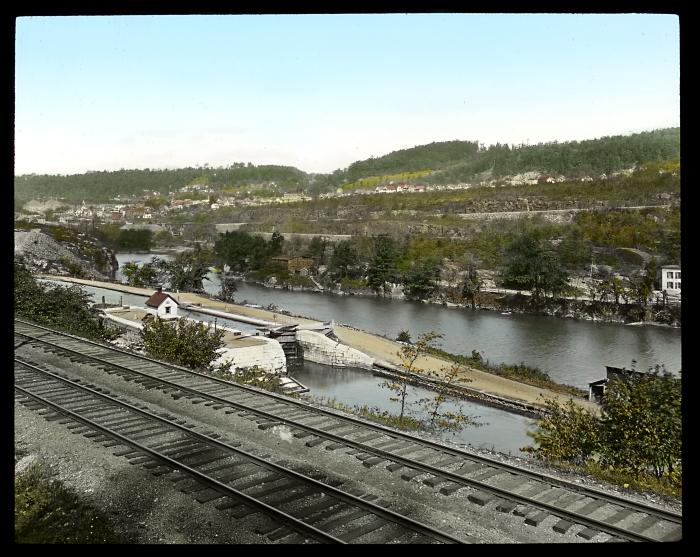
[(320, 349), (268, 357)]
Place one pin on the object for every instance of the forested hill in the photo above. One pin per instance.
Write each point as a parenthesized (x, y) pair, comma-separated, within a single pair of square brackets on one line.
[(572, 159), (102, 186), (438, 163), (459, 161), (424, 157)]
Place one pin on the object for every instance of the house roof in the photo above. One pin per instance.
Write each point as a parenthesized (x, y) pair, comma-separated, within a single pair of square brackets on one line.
[(158, 298), (671, 267)]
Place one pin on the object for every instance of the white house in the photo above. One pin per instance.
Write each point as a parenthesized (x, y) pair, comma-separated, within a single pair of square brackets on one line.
[(671, 278), (162, 305)]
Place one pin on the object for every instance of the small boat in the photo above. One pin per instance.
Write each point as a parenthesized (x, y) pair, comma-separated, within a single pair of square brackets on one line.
[(505, 313)]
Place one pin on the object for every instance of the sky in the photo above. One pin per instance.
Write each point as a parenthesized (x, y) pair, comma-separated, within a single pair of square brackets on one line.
[(321, 91)]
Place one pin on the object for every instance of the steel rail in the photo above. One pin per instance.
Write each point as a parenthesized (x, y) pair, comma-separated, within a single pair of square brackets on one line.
[(341, 495)]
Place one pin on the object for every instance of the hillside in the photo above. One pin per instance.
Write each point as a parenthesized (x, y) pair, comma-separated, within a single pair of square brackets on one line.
[(437, 163), (103, 186), (461, 161)]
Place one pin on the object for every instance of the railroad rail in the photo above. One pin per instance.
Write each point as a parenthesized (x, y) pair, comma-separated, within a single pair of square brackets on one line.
[(531, 495), (220, 470)]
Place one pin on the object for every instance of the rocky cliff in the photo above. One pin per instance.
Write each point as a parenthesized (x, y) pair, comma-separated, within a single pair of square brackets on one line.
[(64, 251)]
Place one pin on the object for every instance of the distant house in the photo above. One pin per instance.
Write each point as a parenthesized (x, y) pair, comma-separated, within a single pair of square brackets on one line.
[(294, 264), (544, 179), (117, 216), (671, 279), (162, 305)]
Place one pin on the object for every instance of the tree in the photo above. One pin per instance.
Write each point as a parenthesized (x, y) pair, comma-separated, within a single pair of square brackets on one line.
[(188, 271), (569, 433), (446, 420), (472, 286), (382, 268), (60, 307), (276, 243), (344, 256), (404, 336), (409, 355), (419, 281), (187, 343), (531, 266), (317, 250), (638, 433), (144, 275), (228, 287), (642, 282), (642, 423)]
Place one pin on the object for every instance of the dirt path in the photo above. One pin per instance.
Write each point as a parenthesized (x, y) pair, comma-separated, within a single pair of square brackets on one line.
[(373, 345)]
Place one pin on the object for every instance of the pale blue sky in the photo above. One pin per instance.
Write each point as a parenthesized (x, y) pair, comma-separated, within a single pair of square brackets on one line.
[(321, 91)]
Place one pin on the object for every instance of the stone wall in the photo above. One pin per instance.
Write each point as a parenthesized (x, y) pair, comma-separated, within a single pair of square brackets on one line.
[(323, 350), (268, 357)]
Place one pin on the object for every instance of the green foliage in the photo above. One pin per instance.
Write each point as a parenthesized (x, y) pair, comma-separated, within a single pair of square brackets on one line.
[(188, 271), (242, 251), (47, 512), (517, 372), (642, 424), (344, 257), (420, 280), (471, 286), (410, 354), (276, 243), (187, 343), (574, 251), (134, 240), (382, 268), (433, 155), (638, 434), (569, 433), (317, 250), (104, 186), (533, 267), (59, 307), (228, 288), (578, 158), (372, 413), (144, 275), (404, 336)]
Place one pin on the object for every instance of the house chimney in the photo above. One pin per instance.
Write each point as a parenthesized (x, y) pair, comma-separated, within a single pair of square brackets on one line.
[(160, 289)]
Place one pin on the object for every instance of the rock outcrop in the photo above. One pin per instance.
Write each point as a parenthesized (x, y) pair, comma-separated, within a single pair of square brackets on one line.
[(69, 253)]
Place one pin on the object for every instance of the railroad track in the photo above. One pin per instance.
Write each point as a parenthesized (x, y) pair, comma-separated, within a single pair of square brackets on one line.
[(215, 470), (530, 495)]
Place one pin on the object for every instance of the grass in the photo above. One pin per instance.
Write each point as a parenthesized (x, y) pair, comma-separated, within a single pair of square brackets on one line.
[(516, 372), (371, 413), (46, 511)]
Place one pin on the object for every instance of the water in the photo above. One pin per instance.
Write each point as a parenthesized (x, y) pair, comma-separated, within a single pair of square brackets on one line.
[(572, 352), (501, 430)]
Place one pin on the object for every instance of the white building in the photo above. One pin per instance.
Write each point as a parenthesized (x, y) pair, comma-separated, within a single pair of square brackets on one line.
[(671, 278), (162, 305)]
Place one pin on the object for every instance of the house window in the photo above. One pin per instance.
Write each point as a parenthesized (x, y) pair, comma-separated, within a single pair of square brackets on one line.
[(669, 274), (167, 309), (678, 274)]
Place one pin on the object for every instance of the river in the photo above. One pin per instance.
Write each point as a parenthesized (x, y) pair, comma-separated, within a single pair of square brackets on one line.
[(570, 351)]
